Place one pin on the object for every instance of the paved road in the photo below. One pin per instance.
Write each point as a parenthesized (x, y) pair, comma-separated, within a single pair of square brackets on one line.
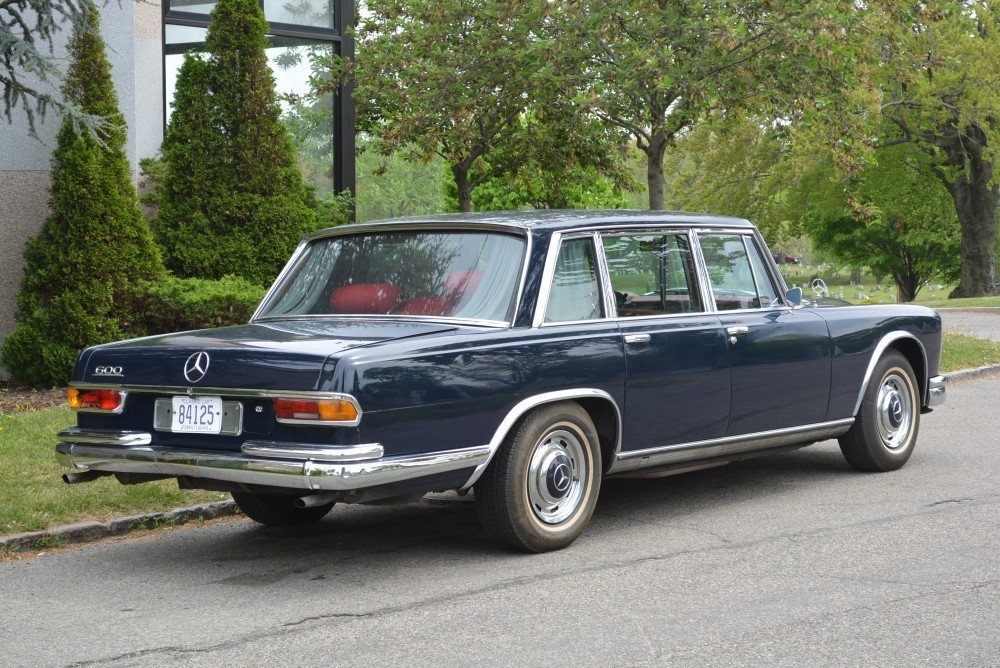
[(787, 560), (981, 323)]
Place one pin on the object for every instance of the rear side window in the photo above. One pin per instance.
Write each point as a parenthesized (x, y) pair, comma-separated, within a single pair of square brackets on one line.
[(652, 274), (736, 272), (575, 293)]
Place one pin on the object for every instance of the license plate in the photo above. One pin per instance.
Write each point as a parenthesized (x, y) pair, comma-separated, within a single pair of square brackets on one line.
[(198, 415)]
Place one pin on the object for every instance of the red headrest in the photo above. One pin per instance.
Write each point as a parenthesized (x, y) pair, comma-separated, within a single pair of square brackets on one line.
[(427, 305), (364, 298)]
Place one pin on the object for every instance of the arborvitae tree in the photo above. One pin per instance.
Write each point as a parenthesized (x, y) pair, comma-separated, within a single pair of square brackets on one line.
[(233, 200), (84, 270)]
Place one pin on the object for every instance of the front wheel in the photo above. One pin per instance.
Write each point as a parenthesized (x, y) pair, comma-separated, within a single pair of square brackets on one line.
[(278, 510), (540, 490), (885, 428)]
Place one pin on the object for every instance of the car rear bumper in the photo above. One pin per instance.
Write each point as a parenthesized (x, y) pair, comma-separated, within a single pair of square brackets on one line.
[(291, 465), (936, 392)]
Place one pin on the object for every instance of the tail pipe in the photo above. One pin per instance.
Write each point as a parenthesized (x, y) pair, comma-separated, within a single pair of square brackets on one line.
[(83, 476), (317, 500)]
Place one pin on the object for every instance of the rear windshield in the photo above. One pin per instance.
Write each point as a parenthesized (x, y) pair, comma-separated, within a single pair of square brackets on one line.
[(471, 275)]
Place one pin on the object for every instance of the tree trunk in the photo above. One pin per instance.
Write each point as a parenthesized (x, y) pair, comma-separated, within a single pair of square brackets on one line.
[(654, 168), (976, 204), (464, 188)]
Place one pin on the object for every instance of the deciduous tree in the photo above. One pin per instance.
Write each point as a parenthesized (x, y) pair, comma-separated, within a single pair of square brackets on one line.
[(941, 86)]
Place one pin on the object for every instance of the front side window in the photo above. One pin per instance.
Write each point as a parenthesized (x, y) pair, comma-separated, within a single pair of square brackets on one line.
[(736, 272), (575, 293), (652, 274), (470, 275)]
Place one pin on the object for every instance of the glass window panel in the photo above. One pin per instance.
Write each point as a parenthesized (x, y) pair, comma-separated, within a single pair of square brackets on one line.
[(575, 293), (292, 60), (765, 286), (652, 274), (451, 274), (317, 13), (191, 6), (729, 272)]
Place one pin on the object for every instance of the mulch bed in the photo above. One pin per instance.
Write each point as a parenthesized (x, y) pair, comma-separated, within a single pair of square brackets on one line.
[(21, 400)]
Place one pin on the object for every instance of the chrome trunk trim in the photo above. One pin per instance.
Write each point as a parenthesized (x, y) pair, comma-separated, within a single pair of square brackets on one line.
[(336, 453), (725, 447)]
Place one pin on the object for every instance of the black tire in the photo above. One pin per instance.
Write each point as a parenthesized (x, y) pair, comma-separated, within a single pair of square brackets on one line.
[(278, 510), (885, 429), (539, 492)]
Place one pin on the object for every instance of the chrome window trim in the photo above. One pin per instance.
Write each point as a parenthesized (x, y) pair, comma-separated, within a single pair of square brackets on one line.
[(390, 317), (363, 228), (522, 407), (604, 278), (880, 348), (703, 272), (548, 273), (729, 445), (572, 236)]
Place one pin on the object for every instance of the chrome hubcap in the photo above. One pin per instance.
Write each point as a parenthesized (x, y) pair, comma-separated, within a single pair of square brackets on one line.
[(556, 476), (895, 411)]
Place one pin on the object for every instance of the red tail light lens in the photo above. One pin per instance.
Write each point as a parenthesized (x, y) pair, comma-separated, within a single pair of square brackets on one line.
[(111, 401), (315, 410)]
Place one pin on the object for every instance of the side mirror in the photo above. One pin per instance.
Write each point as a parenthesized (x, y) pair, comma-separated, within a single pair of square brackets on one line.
[(794, 296)]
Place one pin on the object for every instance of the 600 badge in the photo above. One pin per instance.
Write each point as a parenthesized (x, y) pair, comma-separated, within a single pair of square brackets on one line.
[(108, 371)]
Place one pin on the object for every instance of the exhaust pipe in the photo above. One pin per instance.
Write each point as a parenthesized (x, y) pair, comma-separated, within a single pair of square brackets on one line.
[(83, 476), (316, 500)]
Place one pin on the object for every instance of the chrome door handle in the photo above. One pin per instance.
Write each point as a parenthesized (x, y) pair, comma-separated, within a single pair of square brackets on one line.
[(738, 330), (637, 339)]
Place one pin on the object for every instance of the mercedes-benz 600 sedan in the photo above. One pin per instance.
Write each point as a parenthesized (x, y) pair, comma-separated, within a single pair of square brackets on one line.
[(525, 356)]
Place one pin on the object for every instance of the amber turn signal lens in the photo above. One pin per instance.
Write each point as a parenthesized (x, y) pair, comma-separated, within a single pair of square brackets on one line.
[(103, 400), (320, 410)]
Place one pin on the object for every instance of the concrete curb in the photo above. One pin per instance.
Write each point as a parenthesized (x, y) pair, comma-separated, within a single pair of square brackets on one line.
[(976, 372), (85, 532)]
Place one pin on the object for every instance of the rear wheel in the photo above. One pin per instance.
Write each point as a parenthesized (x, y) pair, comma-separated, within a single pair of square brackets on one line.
[(539, 492), (278, 510), (885, 428)]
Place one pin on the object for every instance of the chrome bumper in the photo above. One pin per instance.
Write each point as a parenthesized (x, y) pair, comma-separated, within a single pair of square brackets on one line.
[(936, 391), (292, 465)]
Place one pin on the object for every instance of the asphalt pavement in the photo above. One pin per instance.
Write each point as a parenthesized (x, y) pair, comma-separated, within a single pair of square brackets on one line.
[(791, 560), (983, 323)]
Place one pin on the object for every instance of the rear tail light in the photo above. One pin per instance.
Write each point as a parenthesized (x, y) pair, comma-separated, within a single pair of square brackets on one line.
[(338, 411), (101, 401)]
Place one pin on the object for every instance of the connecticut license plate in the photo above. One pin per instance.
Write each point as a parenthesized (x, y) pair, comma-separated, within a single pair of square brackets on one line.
[(201, 415)]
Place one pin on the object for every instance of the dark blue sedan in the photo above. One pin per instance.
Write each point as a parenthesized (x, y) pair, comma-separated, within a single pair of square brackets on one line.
[(525, 356)]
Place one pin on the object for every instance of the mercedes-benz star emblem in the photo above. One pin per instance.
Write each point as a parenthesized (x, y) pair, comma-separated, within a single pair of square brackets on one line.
[(196, 367), (561, 477)]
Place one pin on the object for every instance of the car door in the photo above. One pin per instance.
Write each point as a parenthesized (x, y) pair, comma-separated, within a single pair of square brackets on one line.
[(676, 354), (779, 356)]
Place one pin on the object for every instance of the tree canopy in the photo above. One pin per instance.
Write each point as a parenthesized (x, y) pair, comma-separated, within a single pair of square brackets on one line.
[(940, 84)]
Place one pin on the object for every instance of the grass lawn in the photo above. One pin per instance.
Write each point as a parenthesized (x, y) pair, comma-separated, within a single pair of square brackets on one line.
[(33, 495), (965, 352)]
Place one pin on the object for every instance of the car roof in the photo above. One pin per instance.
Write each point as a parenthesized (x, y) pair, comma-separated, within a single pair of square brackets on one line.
[(552, 220)]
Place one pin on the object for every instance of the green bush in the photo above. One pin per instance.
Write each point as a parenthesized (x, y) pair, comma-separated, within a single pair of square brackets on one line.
[(84, 270), (179, 304)]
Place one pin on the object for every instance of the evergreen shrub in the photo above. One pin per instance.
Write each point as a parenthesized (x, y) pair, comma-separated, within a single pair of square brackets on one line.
[(179, 304), (85, 269), (233, 201)]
